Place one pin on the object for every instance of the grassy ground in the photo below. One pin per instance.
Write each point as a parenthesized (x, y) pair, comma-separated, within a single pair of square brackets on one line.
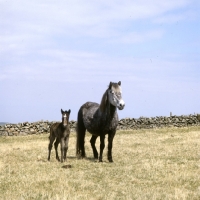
[(148, 164)]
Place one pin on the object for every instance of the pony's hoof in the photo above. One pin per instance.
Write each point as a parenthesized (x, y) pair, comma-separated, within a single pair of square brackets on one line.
[(110, 159), (96, 155)]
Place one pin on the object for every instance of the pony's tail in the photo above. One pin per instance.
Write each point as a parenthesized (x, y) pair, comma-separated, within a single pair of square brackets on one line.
[(77, 139), (80, 135)]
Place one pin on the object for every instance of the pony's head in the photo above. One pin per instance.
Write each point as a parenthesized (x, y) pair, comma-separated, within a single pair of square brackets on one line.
[(65, 117), (113, 95)]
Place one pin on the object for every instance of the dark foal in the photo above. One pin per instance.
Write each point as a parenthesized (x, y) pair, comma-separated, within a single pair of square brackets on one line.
[(60, 132)]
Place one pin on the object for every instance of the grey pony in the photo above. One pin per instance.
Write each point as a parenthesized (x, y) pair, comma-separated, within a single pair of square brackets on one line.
[(100, 120)]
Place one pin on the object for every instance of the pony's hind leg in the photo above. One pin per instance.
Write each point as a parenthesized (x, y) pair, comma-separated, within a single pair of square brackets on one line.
[(92, 142), (56, 148), (51, 140), (82, 144)]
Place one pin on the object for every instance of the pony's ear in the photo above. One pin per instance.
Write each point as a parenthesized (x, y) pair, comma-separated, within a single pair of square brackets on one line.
[(110, 85), (119, 83), (61, 111), (69, 111)]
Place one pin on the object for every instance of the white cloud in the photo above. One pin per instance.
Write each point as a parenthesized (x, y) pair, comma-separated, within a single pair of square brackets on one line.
[(26, 25), (55, 16), (173, 18), (136, 37)]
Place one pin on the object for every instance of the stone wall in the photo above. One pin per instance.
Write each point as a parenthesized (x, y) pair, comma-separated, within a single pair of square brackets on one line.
[(27, 128), (159, 122), (40, 127)]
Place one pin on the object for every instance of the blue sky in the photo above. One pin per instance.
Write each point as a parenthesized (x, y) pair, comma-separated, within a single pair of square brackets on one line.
[(60, 54)]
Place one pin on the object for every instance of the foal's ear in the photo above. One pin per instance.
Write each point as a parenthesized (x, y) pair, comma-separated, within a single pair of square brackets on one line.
[(110, 85), (119, 83), (69, 111), (62, 111)]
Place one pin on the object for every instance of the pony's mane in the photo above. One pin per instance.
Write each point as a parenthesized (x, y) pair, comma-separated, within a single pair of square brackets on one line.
[(104, 101)]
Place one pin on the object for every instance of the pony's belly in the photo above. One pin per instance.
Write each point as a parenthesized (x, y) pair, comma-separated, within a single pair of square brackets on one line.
[(92, 127), (94, 131), (97, 128)]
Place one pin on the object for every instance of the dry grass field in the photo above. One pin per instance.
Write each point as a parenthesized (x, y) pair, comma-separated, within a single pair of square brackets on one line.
[(148, 164)]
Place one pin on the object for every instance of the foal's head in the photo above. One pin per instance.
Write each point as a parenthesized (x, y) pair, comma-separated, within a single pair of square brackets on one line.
[(65, 117)]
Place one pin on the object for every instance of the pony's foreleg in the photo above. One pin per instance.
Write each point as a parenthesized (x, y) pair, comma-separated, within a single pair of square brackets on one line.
[(56, 148), (92, 142), (110, 142), (102, 145)]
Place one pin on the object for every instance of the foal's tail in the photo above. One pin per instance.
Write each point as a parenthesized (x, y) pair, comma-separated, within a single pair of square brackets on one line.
[(80, 135)]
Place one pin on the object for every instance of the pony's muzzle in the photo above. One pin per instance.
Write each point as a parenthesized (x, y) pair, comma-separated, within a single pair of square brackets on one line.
[(121, 105)]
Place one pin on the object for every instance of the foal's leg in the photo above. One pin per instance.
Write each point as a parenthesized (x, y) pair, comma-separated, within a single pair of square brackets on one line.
[(110, 141), (102, 145), (51, 140), (66, 148), (62, 146), (56, 148), (92, 141)]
